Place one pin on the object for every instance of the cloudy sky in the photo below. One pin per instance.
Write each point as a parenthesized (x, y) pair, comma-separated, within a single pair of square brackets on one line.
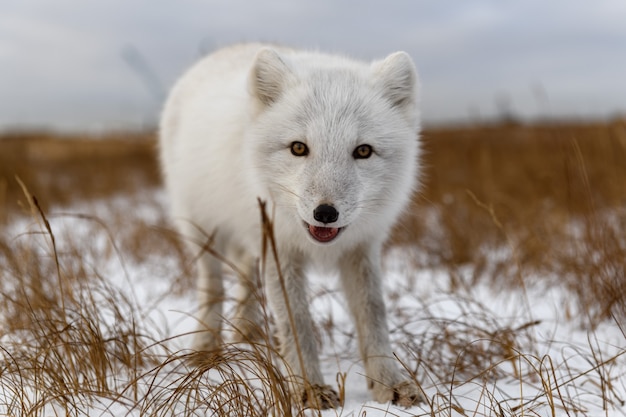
[(75, 64)]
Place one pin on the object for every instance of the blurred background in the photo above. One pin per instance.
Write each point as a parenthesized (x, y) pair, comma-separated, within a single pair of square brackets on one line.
[(72, 65)]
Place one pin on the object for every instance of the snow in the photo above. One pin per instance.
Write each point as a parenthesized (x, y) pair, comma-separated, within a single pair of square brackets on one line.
[(434, 325)]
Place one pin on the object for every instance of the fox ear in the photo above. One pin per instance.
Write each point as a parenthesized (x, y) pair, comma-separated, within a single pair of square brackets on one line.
[(397, 77), (269, 76)]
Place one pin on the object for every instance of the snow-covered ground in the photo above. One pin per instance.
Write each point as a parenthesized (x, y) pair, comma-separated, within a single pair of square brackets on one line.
[(474, 348)]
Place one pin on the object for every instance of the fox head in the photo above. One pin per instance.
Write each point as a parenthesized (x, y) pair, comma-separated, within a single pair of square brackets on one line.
[(335, 142)]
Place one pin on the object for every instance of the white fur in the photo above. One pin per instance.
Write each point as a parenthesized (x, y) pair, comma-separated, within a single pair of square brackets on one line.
[(226, 133)]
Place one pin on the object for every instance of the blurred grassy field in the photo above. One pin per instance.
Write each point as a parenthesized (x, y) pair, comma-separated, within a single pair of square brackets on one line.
[(517, 203), (518, 169), (553, 194), (62, 169)]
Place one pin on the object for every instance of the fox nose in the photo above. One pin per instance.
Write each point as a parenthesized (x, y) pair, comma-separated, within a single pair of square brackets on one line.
[(325, 214)]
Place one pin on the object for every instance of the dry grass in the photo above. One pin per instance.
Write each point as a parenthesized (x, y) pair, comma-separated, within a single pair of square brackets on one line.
[(514, 206), (553, 195), (62, 170)]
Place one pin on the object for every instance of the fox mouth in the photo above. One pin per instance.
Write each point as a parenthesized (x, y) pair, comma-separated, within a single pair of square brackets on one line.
[(323, 234)]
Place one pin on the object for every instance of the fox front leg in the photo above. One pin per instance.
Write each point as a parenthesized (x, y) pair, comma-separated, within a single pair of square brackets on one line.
[(361, 274), (288, 300)]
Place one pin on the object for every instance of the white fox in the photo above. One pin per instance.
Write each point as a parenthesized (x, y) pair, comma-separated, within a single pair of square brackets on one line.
[(332, 145)]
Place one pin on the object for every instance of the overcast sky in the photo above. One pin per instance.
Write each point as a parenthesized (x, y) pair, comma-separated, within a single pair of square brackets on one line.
[(76, 64)]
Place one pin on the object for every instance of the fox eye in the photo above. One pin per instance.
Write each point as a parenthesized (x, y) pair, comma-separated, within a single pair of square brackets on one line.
[(299, 149), (362, 152)]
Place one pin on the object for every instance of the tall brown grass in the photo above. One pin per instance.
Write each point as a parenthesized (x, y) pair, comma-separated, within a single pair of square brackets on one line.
[(61, 169), (554, 195), (515, 205)]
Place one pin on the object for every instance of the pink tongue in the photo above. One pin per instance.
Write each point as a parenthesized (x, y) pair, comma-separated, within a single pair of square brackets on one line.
[(323, 234)]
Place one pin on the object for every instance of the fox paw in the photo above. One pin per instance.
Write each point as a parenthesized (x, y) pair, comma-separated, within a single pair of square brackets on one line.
[(320, 397), (404, 394)]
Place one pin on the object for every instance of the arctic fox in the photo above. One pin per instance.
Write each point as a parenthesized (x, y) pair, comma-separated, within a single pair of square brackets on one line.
[(331, 144)]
